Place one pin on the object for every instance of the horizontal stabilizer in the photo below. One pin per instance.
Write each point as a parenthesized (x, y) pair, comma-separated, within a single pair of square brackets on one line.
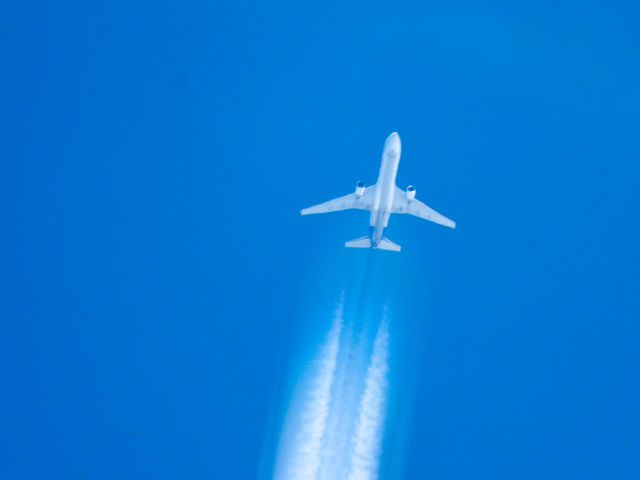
[(362, 242), (386, 244)]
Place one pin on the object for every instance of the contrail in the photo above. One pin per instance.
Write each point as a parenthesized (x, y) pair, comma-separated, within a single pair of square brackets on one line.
[(302, 459), (346, 390), (367, 437), (334, 428)]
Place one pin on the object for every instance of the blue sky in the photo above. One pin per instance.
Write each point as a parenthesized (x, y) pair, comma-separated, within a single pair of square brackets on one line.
[(158, 283)]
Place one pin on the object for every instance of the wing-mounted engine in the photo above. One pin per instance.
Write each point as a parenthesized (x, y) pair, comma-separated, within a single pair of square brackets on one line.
[(360, 188), (411, 192)]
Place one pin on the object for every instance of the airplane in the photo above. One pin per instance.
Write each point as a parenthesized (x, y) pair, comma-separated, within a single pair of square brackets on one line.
[(382, 199)]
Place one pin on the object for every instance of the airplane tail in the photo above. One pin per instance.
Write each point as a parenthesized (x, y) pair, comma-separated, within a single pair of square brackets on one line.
[(360, 242), (386, 244), (365, 242)]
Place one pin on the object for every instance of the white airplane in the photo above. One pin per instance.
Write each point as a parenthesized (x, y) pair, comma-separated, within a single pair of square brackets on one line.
[(382, 199)]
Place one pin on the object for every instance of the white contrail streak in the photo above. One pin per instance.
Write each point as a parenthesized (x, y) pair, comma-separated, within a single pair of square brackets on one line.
[(334, 428), (302, 460), (346, 392), (366, 441)]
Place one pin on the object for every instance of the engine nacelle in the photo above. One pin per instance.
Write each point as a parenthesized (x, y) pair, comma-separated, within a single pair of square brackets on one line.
[(359, 189), (411, 192)]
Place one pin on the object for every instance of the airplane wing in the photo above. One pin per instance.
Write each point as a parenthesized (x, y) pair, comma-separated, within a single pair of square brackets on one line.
[(346, 202), (401, 204)]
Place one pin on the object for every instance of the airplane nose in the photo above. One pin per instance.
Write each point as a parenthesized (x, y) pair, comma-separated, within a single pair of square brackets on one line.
[(393, 144), (393, 140)]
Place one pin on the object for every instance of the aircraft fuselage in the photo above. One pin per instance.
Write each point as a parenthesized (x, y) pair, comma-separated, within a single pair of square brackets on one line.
[(386, 188)]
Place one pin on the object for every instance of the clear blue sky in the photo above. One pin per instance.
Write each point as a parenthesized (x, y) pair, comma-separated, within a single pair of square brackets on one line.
[(155, 272)]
